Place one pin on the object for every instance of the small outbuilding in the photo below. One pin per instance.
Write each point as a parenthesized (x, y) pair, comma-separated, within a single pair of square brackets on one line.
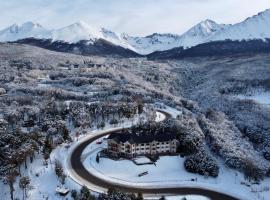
[(63, 191)]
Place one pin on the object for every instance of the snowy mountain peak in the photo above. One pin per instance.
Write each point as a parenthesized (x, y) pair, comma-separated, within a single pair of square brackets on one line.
[(200, 33), (80, 24), (27, 29), (76, 32), (255, 27), (109, 34), (205, 28), (262, 14), (29, 24), (13, 28)]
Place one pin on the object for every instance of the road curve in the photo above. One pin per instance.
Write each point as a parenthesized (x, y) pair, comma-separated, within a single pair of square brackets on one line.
[(78, 173)]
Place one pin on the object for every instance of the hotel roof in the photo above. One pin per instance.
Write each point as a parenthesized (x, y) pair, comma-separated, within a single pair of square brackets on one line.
[(142, 137)]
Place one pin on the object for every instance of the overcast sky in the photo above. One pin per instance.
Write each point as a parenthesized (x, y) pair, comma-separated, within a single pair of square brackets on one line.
[(136, 17)]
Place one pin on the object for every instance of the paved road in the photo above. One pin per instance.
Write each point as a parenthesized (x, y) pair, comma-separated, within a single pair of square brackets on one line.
[(79, 169)]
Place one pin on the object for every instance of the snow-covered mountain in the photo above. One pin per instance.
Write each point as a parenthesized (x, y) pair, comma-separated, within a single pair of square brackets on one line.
[(71, 34), (256, 27), (82, 31), (28, 29), (76, 32), (160, 42), (201, 33), (151, 43)]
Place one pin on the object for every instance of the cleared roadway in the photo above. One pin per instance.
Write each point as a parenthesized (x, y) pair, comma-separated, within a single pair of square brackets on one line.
[(78, 172)]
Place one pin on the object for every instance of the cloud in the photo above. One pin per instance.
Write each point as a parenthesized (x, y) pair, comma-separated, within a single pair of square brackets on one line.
[(136, 17)]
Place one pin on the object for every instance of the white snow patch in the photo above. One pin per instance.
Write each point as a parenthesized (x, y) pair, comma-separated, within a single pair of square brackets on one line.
[(160, 117), (170, 172), (259, 97), (142, 159), (188, 197)]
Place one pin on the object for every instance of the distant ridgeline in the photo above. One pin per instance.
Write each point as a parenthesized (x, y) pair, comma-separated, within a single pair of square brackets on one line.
[(103, 47), (216, 48), (83, 47)]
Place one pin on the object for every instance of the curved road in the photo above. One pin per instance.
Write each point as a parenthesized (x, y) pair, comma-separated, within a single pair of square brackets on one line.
[(81, 173)]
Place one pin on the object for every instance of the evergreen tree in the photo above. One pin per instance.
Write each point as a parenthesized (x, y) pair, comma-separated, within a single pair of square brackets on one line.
[(140, 196), (97, 158), (74, 194), (47, 148)]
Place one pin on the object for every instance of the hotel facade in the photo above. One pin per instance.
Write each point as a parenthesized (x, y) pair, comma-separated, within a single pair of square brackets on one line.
[(132, 145)]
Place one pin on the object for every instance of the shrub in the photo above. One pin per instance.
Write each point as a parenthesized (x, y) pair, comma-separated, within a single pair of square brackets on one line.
[(202, 163), (113, 121)]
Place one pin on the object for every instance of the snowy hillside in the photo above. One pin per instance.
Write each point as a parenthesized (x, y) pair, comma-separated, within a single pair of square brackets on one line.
[(256, 27)]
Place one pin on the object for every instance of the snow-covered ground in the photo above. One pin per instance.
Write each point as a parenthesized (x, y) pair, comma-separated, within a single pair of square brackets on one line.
[(172, 111), (259, 97), (160, 117), (43, 179), (142, 160), (188, 197), (169, 171)]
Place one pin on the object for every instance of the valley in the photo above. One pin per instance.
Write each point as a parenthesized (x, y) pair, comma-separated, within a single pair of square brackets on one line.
[(87, 113), (59, 97)]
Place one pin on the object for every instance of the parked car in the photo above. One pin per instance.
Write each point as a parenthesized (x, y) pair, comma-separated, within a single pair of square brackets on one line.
[(143, 173)]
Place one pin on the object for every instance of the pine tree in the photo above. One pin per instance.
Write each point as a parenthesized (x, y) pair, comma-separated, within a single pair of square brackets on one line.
[(140, 196), (47, 148), (97, 158), (84, 193), (65, 134)]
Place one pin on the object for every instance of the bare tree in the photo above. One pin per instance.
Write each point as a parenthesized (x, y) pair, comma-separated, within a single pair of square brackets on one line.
[(10, 178), (24, 185)]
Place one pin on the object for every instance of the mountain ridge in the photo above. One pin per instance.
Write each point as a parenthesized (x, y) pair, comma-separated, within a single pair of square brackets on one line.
[(255, 27)]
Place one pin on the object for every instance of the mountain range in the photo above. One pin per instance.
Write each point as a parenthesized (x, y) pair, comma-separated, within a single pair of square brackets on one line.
[(255, 27)]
